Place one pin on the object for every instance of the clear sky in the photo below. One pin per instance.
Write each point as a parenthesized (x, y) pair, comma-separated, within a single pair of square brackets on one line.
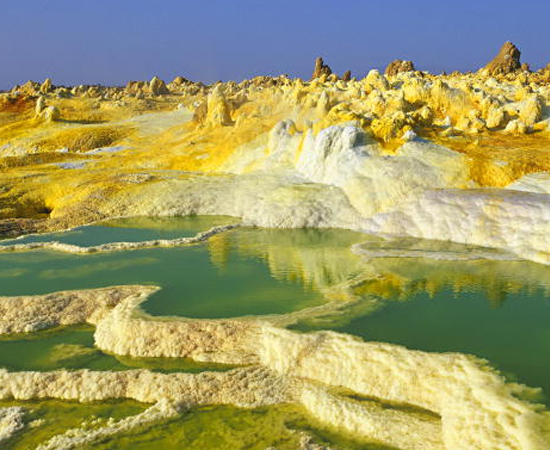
[(113, 41)]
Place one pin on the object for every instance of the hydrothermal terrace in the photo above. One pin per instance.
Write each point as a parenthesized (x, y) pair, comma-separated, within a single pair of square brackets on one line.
[(430, 174)]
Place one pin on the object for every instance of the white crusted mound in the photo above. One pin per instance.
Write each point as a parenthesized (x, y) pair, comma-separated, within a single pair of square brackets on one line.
[(341, 156), (267, 200), (515, 221), (344, 156), (534, 182)]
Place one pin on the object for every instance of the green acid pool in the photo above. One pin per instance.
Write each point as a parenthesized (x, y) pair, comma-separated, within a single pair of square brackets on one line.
[(73, 348), (48, 418), (242, 272), (495, 310)]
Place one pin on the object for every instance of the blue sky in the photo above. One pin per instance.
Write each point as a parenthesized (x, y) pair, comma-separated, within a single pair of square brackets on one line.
[(113, 41)]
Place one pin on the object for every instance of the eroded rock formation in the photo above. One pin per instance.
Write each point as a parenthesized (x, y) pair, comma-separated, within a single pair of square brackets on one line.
[(320, 69), (399, 66), (158, 87), (507, 60)]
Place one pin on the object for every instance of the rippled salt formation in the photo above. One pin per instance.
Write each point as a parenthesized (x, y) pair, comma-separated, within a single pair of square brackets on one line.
[(374, 393), (45, 419), (211, 428)]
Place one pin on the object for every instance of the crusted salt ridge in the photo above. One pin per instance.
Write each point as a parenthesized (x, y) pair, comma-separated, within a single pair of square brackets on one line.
[(247, 387), (250, 387), (369, 419), (118, 246), (11, 422), (24, 314), (477, 408), (228, 341), (518, 222)]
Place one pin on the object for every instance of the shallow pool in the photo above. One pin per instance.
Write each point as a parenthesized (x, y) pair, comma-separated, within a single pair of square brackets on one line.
[(241, 272)]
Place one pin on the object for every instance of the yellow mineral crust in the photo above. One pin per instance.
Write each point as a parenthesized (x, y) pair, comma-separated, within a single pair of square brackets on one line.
[(108, 142)]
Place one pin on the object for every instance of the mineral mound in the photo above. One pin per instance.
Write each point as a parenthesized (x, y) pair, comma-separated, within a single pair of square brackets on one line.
[(399, 66), (507, 61)]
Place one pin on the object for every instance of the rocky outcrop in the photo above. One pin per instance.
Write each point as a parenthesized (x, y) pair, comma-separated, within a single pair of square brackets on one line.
[(507, 61), (399, 66), (179, 80), (51, 114), (346, 76), (218, 113), (46, 86), (45, 112), (30, 88), (320, 69), (135, 87), (158, 87), (40, 106), (199, 115)]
